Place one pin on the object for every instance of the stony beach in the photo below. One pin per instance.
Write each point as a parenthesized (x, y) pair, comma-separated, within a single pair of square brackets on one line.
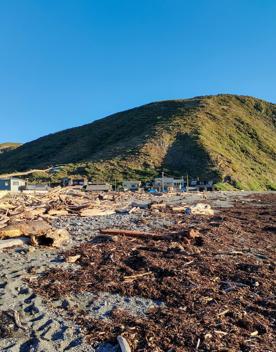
[(50, 303)]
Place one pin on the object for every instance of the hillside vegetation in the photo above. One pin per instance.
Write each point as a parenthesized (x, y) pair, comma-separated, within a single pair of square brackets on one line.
[(226, 138)]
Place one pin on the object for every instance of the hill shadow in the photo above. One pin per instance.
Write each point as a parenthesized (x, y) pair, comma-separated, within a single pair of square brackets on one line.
[(188, 157)]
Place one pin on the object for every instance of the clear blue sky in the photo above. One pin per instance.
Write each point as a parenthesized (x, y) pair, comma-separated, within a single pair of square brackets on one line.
[(64, 63)]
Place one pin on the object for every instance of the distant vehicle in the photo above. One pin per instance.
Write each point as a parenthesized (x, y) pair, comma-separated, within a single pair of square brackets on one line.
[(152, 190), (123, 189)]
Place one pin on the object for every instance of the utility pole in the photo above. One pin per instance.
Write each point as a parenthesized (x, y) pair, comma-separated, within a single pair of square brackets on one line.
[(162, 181)]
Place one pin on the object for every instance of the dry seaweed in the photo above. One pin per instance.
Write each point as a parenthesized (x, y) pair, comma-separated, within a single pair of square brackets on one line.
[(218, 287)]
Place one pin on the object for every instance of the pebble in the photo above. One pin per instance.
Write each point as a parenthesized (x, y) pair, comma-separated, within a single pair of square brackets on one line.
[(87, 228)]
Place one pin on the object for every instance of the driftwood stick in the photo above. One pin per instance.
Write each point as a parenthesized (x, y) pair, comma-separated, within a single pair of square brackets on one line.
[(14, 242), (78, 207), (133, 277), (130, 233), (17, 320), (123, 344)]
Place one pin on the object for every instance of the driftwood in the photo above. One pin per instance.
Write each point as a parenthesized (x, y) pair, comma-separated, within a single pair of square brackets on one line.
[(158, 206), (72, 258), (14, 242), (178, 209), (192, 234), (56, 202), (54, 238), (124, 346), (79, 206), (201, 209), (37, 228), (17, 320), (130, 233), (95, 212), (134, 277), (126, 210)]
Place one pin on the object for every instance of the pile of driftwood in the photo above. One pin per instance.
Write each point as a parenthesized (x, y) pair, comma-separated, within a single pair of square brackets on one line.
[(58, 202), (26, 218)]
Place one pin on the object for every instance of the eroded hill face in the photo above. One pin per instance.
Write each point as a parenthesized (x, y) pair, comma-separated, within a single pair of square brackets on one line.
[(221, 137)]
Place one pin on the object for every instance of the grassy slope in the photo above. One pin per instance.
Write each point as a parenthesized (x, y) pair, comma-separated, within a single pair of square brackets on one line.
[(240, 138), (4, 147), (216, 137)]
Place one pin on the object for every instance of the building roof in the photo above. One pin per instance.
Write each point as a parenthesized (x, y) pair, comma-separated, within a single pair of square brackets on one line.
[(11, 178)]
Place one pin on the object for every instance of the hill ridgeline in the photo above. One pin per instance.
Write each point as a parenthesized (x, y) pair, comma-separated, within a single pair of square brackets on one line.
[(228, 138)]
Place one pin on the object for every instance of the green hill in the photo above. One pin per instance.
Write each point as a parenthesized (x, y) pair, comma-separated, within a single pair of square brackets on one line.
[(226, 137)]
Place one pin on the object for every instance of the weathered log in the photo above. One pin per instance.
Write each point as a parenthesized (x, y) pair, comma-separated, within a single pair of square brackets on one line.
[(124, 346), (54, 238), (17, 320), (132, 233), (14, 242), (158, 206), (72, 258), (96, 212), (37, 228), (79, 206), (133, 277)]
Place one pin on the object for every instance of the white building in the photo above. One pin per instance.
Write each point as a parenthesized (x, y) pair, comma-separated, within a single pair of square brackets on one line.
[(131, 185), (168, 184), (12, 184)]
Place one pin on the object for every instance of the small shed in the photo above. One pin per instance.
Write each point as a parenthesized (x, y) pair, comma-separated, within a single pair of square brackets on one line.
[(12, 184)]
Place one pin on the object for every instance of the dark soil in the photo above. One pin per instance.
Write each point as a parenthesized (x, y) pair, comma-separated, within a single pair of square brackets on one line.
[(218, 287)]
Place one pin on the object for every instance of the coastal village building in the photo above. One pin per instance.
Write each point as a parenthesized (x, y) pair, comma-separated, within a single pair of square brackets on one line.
[(67, 181), (131, 185), (12, 184), (82, 183), (168, 184), (200, 186), (99, 187)]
